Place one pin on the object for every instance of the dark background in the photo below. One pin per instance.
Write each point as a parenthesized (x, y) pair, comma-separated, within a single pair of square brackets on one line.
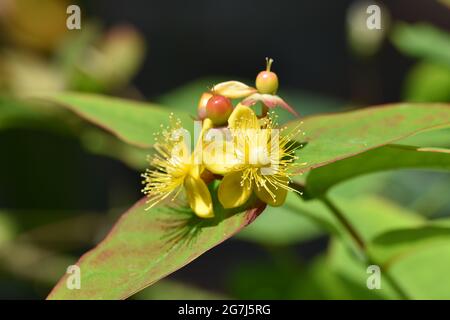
[(307, 39)]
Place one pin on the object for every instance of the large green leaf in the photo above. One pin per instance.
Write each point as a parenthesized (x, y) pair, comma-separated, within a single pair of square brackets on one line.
[(145, 246), (388, 157), (132, 121), (332, 137)]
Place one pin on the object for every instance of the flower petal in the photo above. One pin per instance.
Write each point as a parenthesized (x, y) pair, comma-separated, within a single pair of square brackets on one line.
[(232, 193), (233, 89), (271, 101), (243, 117), (199, 197), (279, 193), (219, 157)]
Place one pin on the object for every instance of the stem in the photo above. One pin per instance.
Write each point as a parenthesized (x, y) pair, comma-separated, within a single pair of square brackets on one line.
[(362, 246), (347, 225), (269, 62)]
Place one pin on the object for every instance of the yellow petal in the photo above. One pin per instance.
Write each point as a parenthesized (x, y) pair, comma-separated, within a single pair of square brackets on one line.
[(231, 192), (199, 197), (243, 117), (219, 157), (196, 156), (279, 193), (233, 89), (207, 124)]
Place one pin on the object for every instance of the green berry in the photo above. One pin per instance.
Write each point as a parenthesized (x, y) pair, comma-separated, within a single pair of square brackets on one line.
[(267, 81)]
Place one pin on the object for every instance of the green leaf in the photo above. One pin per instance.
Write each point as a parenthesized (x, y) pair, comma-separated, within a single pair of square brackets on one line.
[(422, 41), (390, 247), (372, 215), (369, 215), (434, 138), (283, 225), (332, 137), (352, 271), (133, 122), (145, 246), (389, 157), (427, 82), (425, 274), (16, 113)]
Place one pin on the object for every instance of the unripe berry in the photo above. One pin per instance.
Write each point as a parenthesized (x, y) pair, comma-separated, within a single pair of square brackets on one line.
[(218, 109), (201, 110), (267, 81)]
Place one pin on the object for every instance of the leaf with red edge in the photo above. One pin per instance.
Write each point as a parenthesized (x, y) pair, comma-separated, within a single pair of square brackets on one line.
[(328, 138), (145, 246)]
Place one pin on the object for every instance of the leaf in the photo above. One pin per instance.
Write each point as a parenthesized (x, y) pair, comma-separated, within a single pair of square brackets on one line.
[(145, 246), (390, 247), (332, 137), (369, 216), (282, 225), (434, 138), (233, 89), (352, 271), (422, 41), (133, 122), (427, 82), (19, 114), (372, 215), (425, 274), (389, 157)]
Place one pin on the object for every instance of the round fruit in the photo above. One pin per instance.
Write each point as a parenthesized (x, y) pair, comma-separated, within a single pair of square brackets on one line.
[(201, 110), (218, 109), (267, 81)]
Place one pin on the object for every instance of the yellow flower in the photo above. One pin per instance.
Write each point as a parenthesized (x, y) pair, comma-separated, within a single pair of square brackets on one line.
[(174, 167), (258, 158)]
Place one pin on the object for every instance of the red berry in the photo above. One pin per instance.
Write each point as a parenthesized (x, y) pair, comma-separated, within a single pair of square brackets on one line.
[(218, 109), (267, 81)]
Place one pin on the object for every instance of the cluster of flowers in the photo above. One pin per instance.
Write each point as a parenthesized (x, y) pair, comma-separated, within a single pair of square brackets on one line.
[(252, 157)]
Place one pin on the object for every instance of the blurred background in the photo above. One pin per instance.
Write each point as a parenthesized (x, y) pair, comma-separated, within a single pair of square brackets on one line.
[(63, 182)]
